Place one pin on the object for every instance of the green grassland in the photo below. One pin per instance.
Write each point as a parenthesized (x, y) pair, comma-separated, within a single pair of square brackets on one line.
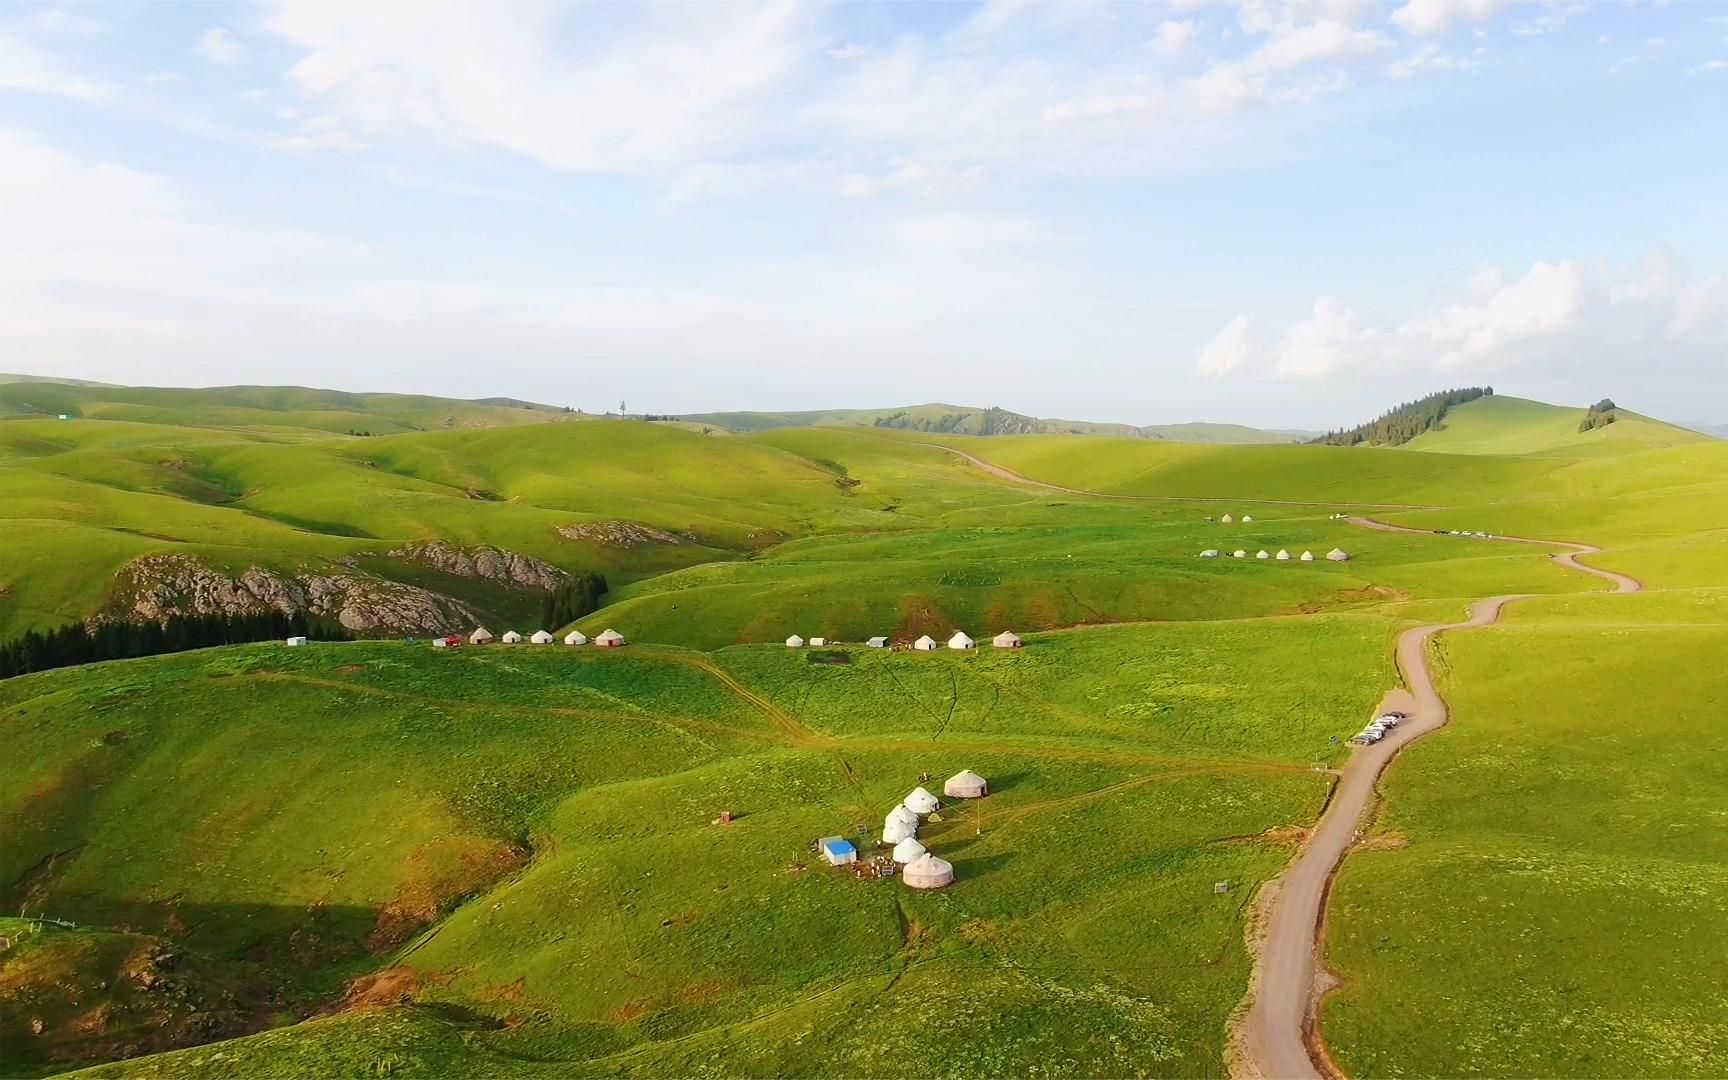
[(1507, 425), (1583, 933), (291, 819)]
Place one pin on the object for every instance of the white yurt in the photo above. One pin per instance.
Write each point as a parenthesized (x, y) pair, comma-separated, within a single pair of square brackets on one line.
[(794, 642), (1307, 556), (925, 644), (902, 814), (609, 639), (961, 640), (1246, 518), (928, 872), (511, 637), (480, 636), (575, 637), (1209, 553), (1238, 554), (1007, 639), (1263, 554), (921, 802), (908, 850), (1227, 519), (966, 784), (895, 831), (541, 637), (1338, 555), (1282, 556)]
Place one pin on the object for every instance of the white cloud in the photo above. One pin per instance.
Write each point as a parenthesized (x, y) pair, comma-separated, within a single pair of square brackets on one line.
[(219, 46), (913, 178), (1709, 66), (163, 78), (1553, 17), (1431, 57), (852, 50), (1426, 18), (24, 66), (1562, 315), (1174, 35), (1229, 350), (58, 20)]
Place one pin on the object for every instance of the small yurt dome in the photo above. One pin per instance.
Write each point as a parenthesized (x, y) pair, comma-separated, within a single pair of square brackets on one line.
[(1247, 518), (1007, 639), (541, 637), (1282, 555), (921, 802), (1209, 553), (575, 637), (510, 637), (895, 831), (877, 643), (1338, 555), (925, 644), (1307, 556), (1227, 519), (794, 642), (907, 850), (480, 636), (903, 814), (928, 872), (1238, 554), (960, 640), (609, 639), (1263, 554), (966, 784)]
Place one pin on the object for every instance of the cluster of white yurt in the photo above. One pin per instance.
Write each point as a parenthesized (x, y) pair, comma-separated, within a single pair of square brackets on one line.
[(961, 642), (899, 824), (919, 868), (1283, 555)]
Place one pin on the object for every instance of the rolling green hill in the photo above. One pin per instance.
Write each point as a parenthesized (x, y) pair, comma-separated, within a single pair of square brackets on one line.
[(1509, 425), (966, 420)]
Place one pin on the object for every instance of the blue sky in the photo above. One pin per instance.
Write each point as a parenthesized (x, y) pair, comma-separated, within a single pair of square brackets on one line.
[(1280, 212)]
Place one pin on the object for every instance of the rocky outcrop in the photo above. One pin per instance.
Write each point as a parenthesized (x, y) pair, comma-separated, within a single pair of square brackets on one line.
[(624, 534), (157, 586), (490, 563)]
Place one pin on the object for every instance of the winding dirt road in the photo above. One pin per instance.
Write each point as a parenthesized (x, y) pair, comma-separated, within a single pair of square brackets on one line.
[(1278, 1036)]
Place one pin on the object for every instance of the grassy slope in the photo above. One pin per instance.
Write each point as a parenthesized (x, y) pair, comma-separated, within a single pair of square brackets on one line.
[(970, 421), (1581, 935), (1509, 425), (639, 924)]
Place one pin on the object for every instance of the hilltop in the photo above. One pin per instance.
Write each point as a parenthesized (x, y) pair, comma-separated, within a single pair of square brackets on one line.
[(938, 418), (1510, 425)]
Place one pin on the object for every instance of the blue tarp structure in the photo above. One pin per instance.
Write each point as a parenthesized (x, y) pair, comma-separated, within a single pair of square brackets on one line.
[(838, 850)]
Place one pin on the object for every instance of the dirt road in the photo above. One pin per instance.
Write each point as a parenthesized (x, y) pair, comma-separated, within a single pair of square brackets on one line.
[(1010, 474), (1278, 1037)]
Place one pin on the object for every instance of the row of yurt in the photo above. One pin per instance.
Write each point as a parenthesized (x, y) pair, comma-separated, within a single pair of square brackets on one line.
[(920, 869), (796, 642), (961, 640), (1228, 520), (1335, 555), (481, 635)]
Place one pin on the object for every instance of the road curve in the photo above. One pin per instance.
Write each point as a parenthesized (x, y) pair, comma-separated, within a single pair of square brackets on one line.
[(1278, 1036), (1009, 474)]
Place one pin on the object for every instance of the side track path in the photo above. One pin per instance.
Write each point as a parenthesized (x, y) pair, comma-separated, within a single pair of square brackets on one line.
[(1278, 1036)]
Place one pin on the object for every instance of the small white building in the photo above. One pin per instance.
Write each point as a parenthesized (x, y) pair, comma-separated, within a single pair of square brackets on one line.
[(818, 641), (1227, 519), (610, 639), (837, 850), (1307, 556), (1007, 639), (794, 642), (440, 643), (1263, 554), (960, 640), (877, 642), (925, 643), (966, 784), (575, 637), (928, 872), (541, 637), (511, 637), (1338, 555), (480, 636), (907, 850), (1282, 556), (921, 802), (297, 639), (1209, 553)]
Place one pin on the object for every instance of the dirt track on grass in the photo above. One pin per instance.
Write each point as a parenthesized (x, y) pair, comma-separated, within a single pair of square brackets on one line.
[(1277, 1036), (1009, 474)]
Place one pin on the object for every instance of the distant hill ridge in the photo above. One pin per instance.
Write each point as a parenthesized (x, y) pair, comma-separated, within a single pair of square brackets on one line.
[(940, 418)]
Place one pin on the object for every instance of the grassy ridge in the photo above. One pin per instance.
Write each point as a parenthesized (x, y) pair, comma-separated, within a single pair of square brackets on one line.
[(1509, 425)]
